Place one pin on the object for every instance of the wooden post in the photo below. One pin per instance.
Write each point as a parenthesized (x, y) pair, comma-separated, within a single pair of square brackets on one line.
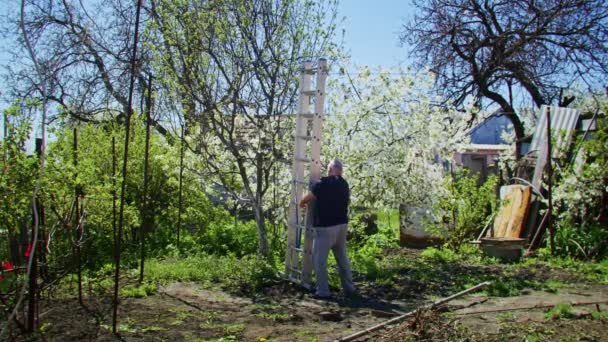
[(549, 176)]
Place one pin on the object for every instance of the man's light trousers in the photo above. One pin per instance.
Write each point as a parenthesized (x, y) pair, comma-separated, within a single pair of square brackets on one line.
[(334, 238)]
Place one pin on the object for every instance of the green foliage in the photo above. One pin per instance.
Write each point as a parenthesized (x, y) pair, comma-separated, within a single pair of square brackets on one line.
[(464, 210), (586, 241), (600, 315), (92, 176), (244, 275), (8, 280), (18, 173), (140, 291), (367, 254), (596, 271), (505, 317), (244, 149), (581, 199), (505, 287), (560, 311), (439, 255), (361, 225), (272, 312), (229, 236)]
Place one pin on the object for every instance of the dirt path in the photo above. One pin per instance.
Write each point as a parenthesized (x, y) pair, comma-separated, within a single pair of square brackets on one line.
[(518, 318), (292, 316), (531, 307), (188, 312)]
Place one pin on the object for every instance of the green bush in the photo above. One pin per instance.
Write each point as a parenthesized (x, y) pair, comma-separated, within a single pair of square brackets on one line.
[(362, 225), (561, 310), (584, 241), (245, 275), (443, 255), (580, 200), (141, 291), (227, 236), (367, 256), (463, 212)]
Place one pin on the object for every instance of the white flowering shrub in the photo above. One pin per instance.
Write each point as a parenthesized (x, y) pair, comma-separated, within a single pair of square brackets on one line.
[(392, 134)]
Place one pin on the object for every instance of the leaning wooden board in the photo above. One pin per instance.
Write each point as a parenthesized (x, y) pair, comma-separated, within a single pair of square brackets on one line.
[(511, 216)]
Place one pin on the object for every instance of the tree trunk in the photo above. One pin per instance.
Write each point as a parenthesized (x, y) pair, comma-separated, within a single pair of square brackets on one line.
[(263, 238), (403, 222)]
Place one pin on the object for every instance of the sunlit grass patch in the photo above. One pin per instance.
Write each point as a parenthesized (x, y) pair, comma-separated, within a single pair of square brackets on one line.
[(234, 274), (560, 311), (140, 291)]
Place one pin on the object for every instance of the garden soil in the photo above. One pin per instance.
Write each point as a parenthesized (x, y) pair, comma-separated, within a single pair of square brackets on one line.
[(188, 312)]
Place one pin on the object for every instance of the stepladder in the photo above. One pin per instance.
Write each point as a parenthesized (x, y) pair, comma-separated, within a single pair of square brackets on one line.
[(306, 171)]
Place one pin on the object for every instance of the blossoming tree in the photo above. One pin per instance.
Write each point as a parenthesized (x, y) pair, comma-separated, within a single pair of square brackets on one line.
[(393, 134)]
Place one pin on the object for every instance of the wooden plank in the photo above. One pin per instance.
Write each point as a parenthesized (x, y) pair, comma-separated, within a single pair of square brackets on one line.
[(519, 212), (510, 219)]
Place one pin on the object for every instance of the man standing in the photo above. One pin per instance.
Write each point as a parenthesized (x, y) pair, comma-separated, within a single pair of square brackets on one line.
[(330, 224)]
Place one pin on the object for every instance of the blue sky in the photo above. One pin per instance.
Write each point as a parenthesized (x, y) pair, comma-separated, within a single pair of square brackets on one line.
[(372, 30)]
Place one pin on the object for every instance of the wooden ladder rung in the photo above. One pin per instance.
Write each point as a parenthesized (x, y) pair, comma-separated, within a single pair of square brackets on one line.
[(307, 115), (304, 137), (295, 270), (310, 71), (303, 160), (312, 92)]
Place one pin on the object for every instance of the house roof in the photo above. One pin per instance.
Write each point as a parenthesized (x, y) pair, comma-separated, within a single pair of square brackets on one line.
[(490, 131)]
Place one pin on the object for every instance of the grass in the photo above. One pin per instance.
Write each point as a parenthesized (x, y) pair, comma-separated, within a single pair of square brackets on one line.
[(305, 334), (560, 311), (505, 316), (229, 329), (593, 271), (437, 271), (180, 317), (141, 291), (600, 315), (247, 274), (271, 312), (441, 271)]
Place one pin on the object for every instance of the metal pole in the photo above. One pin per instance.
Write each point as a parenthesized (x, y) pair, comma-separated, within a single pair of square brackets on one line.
[(124, 168), (114, 194), (181, 174), (145, 218), (77, 234), (33, 279)]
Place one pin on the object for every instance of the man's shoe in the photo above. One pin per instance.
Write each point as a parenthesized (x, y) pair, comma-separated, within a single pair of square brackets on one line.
[(319, 297), (354, 294)]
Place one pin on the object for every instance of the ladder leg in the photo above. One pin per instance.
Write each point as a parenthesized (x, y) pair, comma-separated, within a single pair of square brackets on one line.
[(309, 127)]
